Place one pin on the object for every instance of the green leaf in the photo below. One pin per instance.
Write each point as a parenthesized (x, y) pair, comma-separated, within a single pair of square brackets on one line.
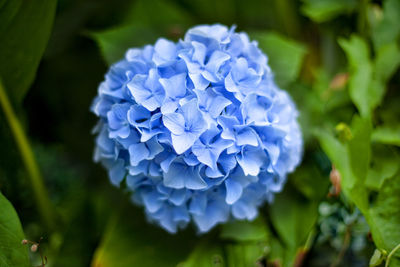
[(144, 23), (384, 165), (244, 254), (376, 259), (131, 241), (387, 135), (113, 43), (387, 61), (241, 244), (387, 29), (348, 160), (12, 252), (160, 14), (384, 215), (310, 181), (208, 253), (245, 230), (359, 147), (285, 56), (24, 31), (364, 95), (324, 10), (293, 217)]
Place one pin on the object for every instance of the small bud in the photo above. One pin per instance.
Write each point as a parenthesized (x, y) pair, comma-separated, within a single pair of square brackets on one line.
[(24, 242), (343, 132), (34, 247), (339, 81), (335, 178)]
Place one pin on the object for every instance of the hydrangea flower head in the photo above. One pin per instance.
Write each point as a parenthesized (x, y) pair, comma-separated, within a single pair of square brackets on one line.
[(197, 130)]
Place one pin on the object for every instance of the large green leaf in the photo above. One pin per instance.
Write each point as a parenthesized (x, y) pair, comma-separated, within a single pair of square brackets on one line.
[(368, 78), (293, 217), (24, 31), (324, 10), (208, 253), (240, 244), (131, 241), (143, 24), (351, 159), (245, 231), (384, 216), (12, 252), (387, 135), (387, 61), (285, 56), (113, 43), (384, 164), (387, 27), (362, 93)]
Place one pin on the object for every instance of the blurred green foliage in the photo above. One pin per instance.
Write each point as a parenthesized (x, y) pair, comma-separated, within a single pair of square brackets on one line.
[(338, 59)]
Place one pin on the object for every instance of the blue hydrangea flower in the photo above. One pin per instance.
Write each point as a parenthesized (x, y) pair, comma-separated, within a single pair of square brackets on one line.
[(197, 130)]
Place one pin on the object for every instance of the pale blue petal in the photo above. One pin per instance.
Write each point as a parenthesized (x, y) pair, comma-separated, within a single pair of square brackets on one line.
[(233, 191), (175, 122)]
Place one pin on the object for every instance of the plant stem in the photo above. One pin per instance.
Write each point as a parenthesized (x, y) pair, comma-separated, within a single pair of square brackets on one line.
[(41, 197), (391, 254), (288, 16), (363, 17)]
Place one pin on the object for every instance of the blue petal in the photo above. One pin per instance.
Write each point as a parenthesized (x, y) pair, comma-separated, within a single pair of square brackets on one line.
[(176, 175), (183, 142), (138, 152), (198, 204), (242, 210), (194, 181), (117, 172), (151, 201), (174, 86), (247, 136), (199, 82), (251, 161), (215, 213), (175, 122), (233, 191), (177, 197)]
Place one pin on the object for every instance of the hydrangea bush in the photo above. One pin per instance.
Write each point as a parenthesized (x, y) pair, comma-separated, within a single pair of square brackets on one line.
[(197, 130)]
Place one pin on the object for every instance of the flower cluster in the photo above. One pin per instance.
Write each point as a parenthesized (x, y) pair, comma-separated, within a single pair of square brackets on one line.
[(197, 130)]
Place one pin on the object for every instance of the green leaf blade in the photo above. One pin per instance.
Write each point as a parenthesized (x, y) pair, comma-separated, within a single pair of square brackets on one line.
[(12, 252), (24, 32)]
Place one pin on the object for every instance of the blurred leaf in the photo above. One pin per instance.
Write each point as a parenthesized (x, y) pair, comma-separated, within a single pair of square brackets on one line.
[(245, 254), (363, 95), (144, 23), (387, 29), (343, 156), (368, 79), (293, 217), (324, 10), (131, 241), (384, 218), (160, 14), (285, 56), (12, 252), (309, 180), (245, 230), (114, 42), (387, 61), (24, 31), (377, 258), (359, 147), (384, 165), (387, 135), (208, 253)]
